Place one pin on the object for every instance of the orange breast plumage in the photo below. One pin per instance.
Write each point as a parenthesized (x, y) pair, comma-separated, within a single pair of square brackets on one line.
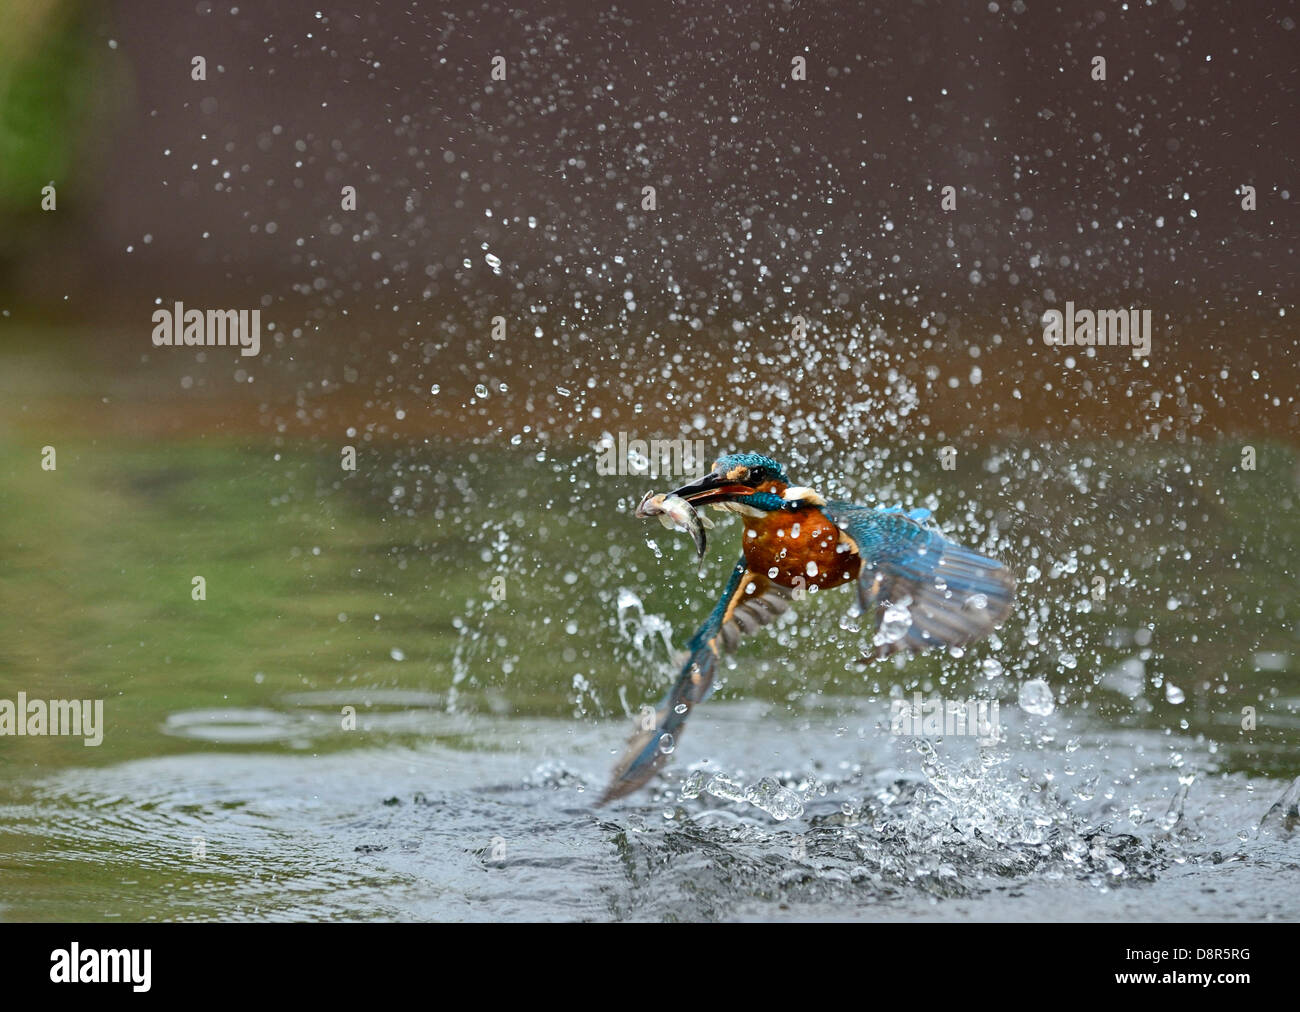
[(800, 549)]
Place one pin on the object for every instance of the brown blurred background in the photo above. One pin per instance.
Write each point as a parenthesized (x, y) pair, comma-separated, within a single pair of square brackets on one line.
[(775, 197)]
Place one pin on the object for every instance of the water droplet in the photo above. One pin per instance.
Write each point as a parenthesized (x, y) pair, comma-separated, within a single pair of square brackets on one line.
[(727, 790), (894, 624), (1036, 698), (779, 802), (693, 785)]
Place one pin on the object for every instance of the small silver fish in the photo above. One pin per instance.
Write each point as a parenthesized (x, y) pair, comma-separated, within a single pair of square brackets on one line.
[(674, 512)]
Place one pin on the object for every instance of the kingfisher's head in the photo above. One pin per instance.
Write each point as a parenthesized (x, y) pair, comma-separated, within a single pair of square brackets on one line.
[(747, 483)]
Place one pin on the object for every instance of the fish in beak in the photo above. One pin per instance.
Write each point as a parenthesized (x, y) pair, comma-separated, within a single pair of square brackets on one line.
[(675, 512), (678, 509)]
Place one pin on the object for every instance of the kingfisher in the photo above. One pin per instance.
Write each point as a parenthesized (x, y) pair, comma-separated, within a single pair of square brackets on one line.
[(924, 590)]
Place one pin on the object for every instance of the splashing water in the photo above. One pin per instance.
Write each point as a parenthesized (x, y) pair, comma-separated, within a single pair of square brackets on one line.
[(894, 623), (1036, 697)]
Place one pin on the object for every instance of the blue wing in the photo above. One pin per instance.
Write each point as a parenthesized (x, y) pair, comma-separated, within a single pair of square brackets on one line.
[(749, 601), (927, 591)]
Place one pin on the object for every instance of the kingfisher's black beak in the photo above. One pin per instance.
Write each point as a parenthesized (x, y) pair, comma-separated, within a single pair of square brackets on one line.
[(714, 487)]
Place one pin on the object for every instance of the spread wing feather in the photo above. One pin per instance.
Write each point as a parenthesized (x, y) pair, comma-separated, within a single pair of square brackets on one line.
[(952, 595)]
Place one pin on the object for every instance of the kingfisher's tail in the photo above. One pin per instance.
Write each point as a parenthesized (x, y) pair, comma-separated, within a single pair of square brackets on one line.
[(654, 740), (749, 602)]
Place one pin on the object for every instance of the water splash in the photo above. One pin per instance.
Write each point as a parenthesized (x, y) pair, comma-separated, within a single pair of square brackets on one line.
[(1283, 818)]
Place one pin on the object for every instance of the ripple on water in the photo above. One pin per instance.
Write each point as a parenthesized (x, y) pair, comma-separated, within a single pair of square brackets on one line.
[(865, 825)]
